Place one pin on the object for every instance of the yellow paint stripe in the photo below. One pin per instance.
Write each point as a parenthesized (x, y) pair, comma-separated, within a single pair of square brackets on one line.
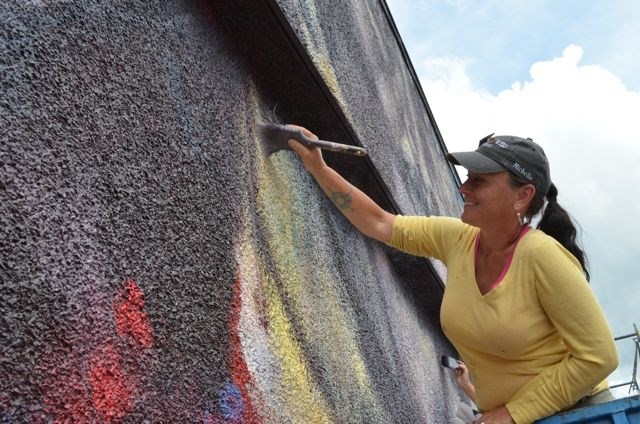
[(308, 404), (282, 219)]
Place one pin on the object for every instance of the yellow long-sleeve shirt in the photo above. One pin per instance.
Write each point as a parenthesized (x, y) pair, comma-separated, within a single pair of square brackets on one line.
[(538, 341)]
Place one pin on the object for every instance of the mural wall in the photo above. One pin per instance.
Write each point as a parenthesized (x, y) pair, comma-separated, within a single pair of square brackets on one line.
[(157, 266)]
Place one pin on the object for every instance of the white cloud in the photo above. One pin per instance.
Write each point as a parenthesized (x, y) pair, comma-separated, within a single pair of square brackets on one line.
[(586, 119)]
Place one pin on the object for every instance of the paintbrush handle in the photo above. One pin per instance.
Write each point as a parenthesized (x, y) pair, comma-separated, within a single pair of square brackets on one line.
[(328, 145), (285, 132), (335, 147)]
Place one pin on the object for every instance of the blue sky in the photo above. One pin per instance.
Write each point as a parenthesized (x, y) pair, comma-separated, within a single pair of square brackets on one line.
[(503, 38), (567, 74)]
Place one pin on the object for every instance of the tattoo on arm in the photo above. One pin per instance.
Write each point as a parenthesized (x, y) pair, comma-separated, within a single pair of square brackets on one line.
[(341, 200)]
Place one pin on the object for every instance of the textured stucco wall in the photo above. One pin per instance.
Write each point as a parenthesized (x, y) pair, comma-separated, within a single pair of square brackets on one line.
[(156, 266), (353, 46)]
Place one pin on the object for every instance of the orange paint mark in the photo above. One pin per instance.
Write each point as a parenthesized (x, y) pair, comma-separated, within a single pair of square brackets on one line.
[(131, 319)]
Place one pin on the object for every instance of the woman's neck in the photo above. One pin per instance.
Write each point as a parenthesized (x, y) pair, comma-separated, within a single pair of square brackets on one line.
[(498, 239)]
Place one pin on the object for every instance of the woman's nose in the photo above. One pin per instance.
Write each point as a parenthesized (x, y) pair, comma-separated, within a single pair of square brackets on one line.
[(464, 188)]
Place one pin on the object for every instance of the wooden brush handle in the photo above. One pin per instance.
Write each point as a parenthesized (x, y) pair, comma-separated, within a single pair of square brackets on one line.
[(336, 147), (296, 133)]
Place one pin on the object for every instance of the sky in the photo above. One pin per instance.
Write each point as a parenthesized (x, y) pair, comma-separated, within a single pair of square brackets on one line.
[(567, 74)]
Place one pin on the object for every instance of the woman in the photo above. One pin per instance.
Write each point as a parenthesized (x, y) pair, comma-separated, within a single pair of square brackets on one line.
[(517, 305)]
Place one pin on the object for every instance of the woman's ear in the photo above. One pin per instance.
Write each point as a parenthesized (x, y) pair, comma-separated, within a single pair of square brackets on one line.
[(525, 194)]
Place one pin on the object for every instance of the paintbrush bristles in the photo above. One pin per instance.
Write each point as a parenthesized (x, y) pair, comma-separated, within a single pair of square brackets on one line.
[(274, 137)]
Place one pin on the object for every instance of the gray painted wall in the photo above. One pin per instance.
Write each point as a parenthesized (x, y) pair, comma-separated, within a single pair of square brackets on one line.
[(156, 266)]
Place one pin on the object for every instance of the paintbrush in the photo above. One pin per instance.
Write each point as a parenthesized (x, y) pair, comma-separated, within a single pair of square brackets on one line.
[(276, 137)]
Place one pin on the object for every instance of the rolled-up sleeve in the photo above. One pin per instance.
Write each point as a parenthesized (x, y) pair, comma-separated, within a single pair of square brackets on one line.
[(426, 236)]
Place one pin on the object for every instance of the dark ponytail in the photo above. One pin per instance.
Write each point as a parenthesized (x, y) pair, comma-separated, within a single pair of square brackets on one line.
[(556, 222)]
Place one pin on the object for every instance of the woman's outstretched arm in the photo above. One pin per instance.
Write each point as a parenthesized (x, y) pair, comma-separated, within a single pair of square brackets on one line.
[(356, 206)]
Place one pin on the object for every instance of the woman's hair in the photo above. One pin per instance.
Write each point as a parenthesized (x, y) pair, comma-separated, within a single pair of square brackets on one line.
[(555, 221)]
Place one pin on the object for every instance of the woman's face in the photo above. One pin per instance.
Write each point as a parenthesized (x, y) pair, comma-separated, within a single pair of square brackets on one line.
[(489, 200)]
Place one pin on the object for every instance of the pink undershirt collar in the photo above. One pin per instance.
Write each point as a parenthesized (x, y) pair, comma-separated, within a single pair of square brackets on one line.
[(523, 231)]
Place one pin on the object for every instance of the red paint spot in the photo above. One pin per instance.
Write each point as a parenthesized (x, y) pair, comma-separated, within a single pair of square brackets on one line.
[(96, 388), (238, 366), (131, 319), (112, 392)]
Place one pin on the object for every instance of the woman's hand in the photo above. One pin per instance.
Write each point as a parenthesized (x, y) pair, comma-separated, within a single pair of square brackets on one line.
[(499, 415), (311, 157), (462, 375), (463, 380)]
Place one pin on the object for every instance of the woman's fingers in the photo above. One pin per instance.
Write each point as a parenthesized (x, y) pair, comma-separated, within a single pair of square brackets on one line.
[(298, 147), (305, 131), (311, 156), (304, 151)]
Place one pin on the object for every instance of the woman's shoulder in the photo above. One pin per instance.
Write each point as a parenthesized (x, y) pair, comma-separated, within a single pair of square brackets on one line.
[(537, 239), (541, 247), (535, 236)]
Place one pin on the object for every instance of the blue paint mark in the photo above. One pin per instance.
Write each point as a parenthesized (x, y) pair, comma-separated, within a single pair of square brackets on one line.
[(5, 418), (231, 404)]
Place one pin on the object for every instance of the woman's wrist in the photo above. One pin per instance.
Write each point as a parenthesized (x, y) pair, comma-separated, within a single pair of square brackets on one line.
[(317, 169)]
